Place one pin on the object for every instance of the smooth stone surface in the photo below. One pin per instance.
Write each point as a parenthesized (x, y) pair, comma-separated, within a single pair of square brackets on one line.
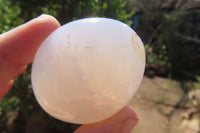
[(88, 70)]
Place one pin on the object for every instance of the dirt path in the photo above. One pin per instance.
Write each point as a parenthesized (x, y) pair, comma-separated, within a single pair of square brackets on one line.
[(160, 104)]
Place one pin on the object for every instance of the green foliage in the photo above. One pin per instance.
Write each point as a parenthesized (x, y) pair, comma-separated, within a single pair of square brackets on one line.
[(153, 58), (170, 32), (9, 15), (68, 10), (9, 104)]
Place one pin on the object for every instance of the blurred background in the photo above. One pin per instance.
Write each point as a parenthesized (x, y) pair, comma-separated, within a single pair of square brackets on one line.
[(168, 100)]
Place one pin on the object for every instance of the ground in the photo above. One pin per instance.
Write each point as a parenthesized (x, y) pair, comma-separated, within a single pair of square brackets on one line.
[(161, 104)]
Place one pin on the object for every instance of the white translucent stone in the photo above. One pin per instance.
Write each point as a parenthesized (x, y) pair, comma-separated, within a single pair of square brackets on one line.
[(88, 70)]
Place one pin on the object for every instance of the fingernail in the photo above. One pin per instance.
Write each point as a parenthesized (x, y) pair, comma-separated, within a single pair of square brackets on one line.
[(128, 125), (42, 16)]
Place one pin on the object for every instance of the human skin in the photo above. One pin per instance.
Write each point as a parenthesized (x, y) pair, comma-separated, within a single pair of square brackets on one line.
[(17, 50)]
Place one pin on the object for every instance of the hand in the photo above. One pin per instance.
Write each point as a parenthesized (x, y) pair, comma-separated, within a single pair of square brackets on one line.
[(17, 49)]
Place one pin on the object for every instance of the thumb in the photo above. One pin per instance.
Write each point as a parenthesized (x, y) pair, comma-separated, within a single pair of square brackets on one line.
[(122, 122)]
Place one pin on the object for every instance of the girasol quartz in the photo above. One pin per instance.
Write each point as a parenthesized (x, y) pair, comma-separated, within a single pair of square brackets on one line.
[(87, 70)]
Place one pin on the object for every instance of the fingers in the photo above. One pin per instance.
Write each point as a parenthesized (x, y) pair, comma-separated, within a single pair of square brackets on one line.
[(122, 122), (18, 46), (20, 71), (5, 88)]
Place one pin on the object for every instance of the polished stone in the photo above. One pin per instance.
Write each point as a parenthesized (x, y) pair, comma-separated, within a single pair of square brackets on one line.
[(87, 70)]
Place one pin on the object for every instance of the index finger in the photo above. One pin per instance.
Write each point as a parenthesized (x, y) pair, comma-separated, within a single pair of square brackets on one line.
[(18, 46)]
